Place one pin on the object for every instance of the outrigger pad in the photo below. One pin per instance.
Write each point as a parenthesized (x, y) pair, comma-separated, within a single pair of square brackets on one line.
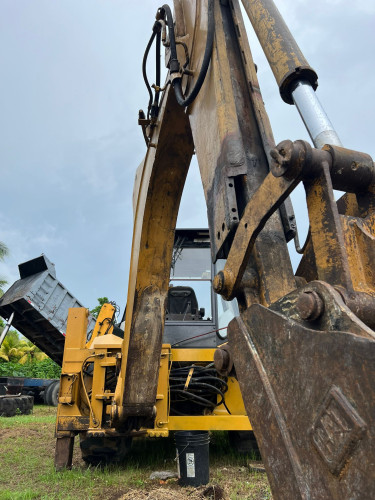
[(309, 391)]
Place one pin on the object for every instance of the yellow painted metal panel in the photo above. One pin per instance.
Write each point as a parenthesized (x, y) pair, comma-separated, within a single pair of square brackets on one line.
[(192, 354), (210, 423)]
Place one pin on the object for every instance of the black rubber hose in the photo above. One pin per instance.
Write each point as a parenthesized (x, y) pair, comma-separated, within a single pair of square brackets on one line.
[(197, 369), (155, 106), (174, 64), (144, 62), (157, 62), (215, 380), (155, 31), (197, 399)]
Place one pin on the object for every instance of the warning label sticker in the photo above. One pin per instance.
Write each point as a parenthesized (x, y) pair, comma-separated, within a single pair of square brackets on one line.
[(190, 465)]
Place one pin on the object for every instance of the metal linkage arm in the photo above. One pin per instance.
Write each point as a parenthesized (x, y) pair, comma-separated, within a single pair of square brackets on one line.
[(292, 162)]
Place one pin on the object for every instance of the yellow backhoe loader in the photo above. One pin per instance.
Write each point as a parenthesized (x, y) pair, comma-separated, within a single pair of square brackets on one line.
[(301, 346)]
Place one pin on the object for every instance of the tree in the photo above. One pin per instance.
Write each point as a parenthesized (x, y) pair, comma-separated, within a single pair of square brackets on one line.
[(3, 253), (30, 352), (3, 250), (102, 300), (11, 347)]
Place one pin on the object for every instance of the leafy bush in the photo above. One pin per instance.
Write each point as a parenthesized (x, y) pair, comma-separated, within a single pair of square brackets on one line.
[(36, 369)]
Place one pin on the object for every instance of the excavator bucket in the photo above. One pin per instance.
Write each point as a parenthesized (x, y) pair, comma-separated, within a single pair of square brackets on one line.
[(308, 388)]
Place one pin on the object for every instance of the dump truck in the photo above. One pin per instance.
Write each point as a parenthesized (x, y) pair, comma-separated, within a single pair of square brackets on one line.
[(301, 345), (37, 306)]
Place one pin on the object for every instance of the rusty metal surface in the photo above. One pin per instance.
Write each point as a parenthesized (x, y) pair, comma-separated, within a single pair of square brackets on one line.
[(139, 392), (272, 192), (64, 452), (162, 179), (326, 233), (223, 360), (287, 62), (351, 171), (234, 149), (314, 424)]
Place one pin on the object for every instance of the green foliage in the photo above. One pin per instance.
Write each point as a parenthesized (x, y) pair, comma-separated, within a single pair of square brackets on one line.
[(44, 369), (21, 358), (23, 351), (96, 310), (3, 253), (13, 336), (3, 250), (30, 353), (11, 349), (36, 369)]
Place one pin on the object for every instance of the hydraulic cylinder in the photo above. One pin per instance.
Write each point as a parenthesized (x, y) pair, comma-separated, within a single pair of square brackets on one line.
[(296, 79)]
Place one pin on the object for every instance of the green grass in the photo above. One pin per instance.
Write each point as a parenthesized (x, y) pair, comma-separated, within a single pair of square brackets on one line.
[(27, 471), (41, 415)]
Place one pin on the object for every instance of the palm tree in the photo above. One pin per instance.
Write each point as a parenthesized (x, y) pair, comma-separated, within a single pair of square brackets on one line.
[(3, 250), (3, 253), (30, 352), (10, 349)]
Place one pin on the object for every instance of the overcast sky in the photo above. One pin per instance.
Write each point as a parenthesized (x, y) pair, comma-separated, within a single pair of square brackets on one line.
[(71, 88)]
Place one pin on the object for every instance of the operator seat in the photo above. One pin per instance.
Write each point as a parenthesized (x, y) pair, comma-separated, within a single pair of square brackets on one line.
[(182, 303)]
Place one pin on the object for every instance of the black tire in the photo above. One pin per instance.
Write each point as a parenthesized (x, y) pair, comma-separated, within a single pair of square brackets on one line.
[(12, 407), (18, 405), (54, 393), (30, 404), (2, 408), (9, 407), (27, 404), (244, 442), (102, 451), (47, 392), (22, 404)]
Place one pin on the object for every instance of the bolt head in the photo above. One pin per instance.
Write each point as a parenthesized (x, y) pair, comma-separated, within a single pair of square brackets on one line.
[(281, 158), (310, 306), (218, 283), (221, 359)]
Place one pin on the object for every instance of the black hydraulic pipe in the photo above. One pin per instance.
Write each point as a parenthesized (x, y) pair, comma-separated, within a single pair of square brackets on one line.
[(174, 63)]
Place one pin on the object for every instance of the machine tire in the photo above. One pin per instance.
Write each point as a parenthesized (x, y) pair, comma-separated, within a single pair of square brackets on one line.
[(8, 407), (30, 404), (244, 442), (47, 392), (104, 450), (22, 404), (54, 393), (18, 404), (2, 409), (12, 407), (27, 404)]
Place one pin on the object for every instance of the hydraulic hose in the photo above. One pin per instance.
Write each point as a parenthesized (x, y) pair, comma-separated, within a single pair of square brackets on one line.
[(174, 63), (201, 392), (144, 62)]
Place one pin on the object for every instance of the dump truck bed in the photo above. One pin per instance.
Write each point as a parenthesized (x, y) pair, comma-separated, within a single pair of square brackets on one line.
[(40, 303)]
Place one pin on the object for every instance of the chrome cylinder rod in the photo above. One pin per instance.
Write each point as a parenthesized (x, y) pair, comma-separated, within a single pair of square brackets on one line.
[(314, 117), (6, 328)]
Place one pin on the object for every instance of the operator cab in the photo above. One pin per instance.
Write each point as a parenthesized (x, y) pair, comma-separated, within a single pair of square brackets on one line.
[(194, 315)]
